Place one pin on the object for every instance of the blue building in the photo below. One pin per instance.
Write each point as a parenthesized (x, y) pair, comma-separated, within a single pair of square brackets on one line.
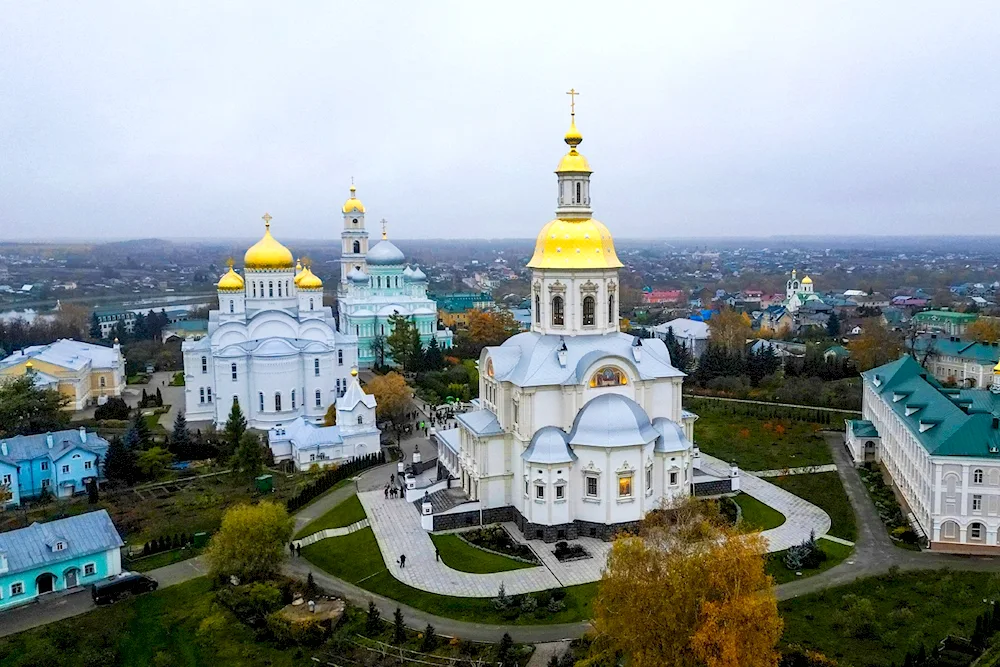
[(56, 556), (60, 462)]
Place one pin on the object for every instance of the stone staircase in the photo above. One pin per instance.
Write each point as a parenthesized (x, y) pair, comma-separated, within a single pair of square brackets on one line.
[(443, 500)]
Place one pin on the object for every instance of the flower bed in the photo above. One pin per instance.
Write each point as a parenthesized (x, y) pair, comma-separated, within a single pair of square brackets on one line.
[(499, 541), (566, 552), (887, 505)]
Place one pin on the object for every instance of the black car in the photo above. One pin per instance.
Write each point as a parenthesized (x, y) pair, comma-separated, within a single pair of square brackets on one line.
[(122, 585)]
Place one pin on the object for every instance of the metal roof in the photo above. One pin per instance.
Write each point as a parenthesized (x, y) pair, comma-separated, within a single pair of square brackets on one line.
[(81, 535), (611, 420), (28, 447)]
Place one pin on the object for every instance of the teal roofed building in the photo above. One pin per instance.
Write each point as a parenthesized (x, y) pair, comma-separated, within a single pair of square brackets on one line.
[(947, 322), (941, 447), (955, 361)]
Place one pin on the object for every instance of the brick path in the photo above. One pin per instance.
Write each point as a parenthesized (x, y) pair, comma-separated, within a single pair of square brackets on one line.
[(804, 470)]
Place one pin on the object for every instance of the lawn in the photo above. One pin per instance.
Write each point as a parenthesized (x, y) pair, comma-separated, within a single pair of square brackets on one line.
[(161, 559), (757, 515), (458, 555), (825, 490), (160, 628), (756, 443), (356, 558), (873, 622), (835, 555), (348, 512)]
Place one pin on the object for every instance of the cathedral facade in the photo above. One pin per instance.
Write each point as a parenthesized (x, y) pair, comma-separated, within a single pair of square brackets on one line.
[(376, 284), (271, 345), (580, 430)]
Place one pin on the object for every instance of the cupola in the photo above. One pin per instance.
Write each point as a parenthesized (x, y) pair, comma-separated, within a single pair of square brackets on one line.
[(268, 253), (231, 281)]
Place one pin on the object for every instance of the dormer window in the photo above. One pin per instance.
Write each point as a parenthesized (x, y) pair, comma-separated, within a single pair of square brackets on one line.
[(59, 546)]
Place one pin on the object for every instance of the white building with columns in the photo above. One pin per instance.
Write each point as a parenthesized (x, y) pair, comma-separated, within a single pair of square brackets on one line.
[(271, 345), (941, 447), (579, 429)]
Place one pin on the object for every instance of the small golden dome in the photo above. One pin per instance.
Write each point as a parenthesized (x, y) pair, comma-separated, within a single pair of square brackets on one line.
[(29, 365), (574, 244), (573, 136), (354, 371), (231, 281), (996, 369), (353, 203), (268, 253), (807, 281), (308, 280)]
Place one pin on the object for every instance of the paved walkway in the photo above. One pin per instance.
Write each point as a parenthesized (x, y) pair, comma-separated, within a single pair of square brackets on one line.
[(330, 532), (804, 470), (781, 405)]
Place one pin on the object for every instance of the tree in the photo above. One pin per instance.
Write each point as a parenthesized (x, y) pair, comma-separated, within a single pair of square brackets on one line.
[(235, 427), (398, 629), (875, 346), (485, 328), (833, 325), (680, 355), (984, 330), (250, 455), (430, 640), (373, 622), (702, 586), (730, 330), (95, 327), (180, 438), (433, 357), (505, 651), (400, 340), (159, 398), (114, 408), (26, 409), (330, 418), (138, 435), (153, 461), (378, 350), (251, 543), (120, 462), (392, 397)]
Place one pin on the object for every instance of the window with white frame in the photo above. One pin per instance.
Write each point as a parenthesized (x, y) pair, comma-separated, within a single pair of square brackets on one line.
[(673, 478), (89, 569), (361, 420), (65, 470), (232, 369), (649, 479), (293, 399), (201, 395), (976, 531), (539, 491), (7, 480), (560, 491), (591, 486), (340, 357), (204, 364), (977, 476), (261, 397), (45, 465), (208, 392), (527, 490), (17, 588), (316, 366), (625, 486), (88, 465), (319, 398), (977, 503), (60, 546)]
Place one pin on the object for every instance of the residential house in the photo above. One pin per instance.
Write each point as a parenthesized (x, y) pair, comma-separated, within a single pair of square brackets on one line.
[(663, 296), (691, 333), (56, 556), (454, 309), (61, 462), (108, 320), (836, 352), (947, 322), (952, 360), (86, 374)]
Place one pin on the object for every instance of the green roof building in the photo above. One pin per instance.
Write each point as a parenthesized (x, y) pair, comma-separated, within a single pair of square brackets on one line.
[(944, 321)]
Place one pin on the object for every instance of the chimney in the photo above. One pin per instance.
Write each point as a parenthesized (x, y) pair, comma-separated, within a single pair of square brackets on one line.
[(48, 439), (83, 434)]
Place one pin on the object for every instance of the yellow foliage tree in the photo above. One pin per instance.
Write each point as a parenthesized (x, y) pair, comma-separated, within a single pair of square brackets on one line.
[(984, 330), (251, 542), (689, 591), (730, 329), (330, 418), (875, 346), (392, 396)]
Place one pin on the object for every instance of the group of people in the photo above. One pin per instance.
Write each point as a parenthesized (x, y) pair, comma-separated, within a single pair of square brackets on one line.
[(391, 489)]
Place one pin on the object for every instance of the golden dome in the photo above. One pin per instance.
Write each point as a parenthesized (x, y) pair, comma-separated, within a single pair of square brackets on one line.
[(996, 369), (807, 281), (573, 161), (573, 136), (353, 203), (308, 280), (232, 281), (574, 244), (268, 253)]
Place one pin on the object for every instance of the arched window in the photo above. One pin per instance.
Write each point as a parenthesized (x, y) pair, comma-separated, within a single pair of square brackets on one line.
[(977, 476), (102, 382), (204, 364), (316, 366), (254, 284), (538, 309), (232, 368), (270, 288), (378, 281), (232, 307), (340, 357), (277, 401), (579, 197), (279, 288), (288, 289), (293, 399), (319, 398), (361, 420), (589, 315), (558, 317), (209, 394), (611, 309), (383, 329), (311, 303), (357, 330), (201, 395), (261, 397), (977, 533)]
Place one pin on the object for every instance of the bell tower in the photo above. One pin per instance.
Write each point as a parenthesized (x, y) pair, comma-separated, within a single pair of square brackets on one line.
[(354, 238)]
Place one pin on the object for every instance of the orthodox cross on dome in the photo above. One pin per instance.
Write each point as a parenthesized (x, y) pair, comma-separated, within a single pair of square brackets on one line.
[(384, 234), (572, 101), (267, 220), (229, 262)]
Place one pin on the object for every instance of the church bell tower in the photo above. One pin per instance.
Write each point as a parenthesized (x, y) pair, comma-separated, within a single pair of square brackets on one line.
[(354, 238)]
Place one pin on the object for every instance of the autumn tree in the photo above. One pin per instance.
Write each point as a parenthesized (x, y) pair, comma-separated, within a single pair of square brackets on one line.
[(701, 584), (251, 542), (984, 330), (330, 418), (730, 330), (875, 346), (485, 328), (392, 396)]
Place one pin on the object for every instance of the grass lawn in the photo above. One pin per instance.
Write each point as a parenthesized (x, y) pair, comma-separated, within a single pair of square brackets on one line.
[(873, 622), (348, 512), (160, 560), (755, 443), (835, 555), (825, 490), (356, 558), (160, 628), (758, 515), (458, 555)]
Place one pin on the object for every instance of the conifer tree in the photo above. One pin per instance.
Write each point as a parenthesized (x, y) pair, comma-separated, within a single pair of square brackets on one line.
[(398, 629), (138, 435), (180, 439), (95, 327), (235, 427), (119, 462)]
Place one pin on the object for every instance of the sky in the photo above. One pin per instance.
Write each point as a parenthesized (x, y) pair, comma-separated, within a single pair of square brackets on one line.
[(192, 119)]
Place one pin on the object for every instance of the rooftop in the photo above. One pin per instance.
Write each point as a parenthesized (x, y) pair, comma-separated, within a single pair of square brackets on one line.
[(81, 535)]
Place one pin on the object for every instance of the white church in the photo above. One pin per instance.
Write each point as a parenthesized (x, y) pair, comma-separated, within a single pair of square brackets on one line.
[(580, 430), (271, 345)]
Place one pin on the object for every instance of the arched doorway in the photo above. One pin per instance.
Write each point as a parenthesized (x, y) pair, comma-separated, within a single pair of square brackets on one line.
[(45, 583), (72, 577)]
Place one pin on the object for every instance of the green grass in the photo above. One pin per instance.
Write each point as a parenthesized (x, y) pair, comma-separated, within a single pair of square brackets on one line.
[(835, 555), (356, 558), (348, 512), (458, 555), (824, 490), (874, 621), (160, 628), (757, 515), (755, 443), (177, 380), (161, 559)]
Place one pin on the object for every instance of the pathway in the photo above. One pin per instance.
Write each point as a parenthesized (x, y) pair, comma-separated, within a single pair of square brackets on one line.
[(781, 405), (331, 532), (804, 470)]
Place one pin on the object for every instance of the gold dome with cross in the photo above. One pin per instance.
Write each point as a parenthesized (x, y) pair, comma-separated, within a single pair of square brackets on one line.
[(268, 253)]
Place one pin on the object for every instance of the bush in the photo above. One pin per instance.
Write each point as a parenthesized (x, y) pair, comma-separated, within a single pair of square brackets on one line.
[(252, 603), (502, 601), (528, 604), (332, 476), (115, 408), (565, 551), (285, 632)]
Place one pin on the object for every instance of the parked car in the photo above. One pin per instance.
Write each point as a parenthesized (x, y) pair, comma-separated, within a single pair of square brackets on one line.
[(123, 585)]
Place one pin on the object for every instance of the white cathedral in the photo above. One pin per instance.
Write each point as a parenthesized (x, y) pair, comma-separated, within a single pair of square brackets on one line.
[(580, 430), (272, 345)]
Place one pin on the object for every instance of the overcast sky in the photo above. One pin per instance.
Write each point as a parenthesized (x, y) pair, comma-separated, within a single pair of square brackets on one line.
[(138, 119)]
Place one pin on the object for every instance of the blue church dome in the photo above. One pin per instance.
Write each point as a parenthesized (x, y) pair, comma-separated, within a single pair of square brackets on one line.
[(385, 253)]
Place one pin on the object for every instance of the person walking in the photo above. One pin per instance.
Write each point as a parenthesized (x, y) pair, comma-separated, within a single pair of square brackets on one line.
[(437, 554), (291, 547), (386, 491), (402, 561), (298, 549)]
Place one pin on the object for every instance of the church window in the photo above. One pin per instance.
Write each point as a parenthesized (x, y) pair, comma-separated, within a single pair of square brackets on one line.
[(270, 288), (277, 401), (515, 413), (209, 392), (233, 369), (293, 399), (340, 357), (312, 304), (673, 478), (526, 489), (591, 486), (232, 306), (378, 280), (204, 364), (254, 285), (319, 398), (201, 395), (558, 318), (261, 397), (579, 198), (649, 479), (589, 315), (357, 330), (316, 367), (609, 376), (560, 491), (611, 309), (288, 289), (357, 246), (102, 382), (279, 288), (538, 309), (539, 492), (383, 329), (977, 476), (625, 486)]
